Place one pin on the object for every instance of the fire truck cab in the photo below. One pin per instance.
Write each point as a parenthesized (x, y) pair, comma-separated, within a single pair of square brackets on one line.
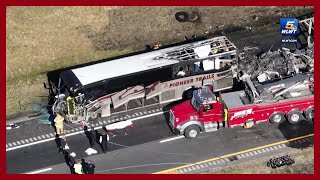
[(291, 99)]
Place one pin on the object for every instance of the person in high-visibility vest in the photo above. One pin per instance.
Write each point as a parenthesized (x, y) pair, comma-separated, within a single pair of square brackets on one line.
[(59, 123), (78, 168)]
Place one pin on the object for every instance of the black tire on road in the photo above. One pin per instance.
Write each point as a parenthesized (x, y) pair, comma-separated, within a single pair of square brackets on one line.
[(309, 114), (294, 117), (191, 131), (277, 118), (182, 16), (194, 16)]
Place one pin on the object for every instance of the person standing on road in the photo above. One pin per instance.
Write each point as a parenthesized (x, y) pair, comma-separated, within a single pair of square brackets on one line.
[(63, 144), (90, 168), (58, 122), (78, 168), (70, 159), (104, 141), (93, 137)]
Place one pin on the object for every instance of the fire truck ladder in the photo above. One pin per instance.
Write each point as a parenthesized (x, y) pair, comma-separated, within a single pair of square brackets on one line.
[(310, 24)]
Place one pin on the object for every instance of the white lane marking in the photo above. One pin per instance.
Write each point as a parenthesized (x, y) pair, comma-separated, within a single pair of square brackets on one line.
[(171, 139), (78, 132), (39, 171)]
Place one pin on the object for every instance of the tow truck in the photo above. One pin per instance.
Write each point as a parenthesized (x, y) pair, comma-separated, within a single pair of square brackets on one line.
[(290, 99)]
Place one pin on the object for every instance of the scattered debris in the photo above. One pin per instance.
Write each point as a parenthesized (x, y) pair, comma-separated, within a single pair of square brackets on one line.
[(277, 64), (248, 28), (280, 161), (194, 16), (12, 126), (44, 116), (90, 151), (220, 26), (183, 16), (157, 45)]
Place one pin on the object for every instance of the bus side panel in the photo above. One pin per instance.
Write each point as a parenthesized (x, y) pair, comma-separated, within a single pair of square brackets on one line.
[(174, 89)]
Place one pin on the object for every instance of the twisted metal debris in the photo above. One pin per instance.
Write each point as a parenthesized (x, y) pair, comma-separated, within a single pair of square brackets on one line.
[(275, 64)]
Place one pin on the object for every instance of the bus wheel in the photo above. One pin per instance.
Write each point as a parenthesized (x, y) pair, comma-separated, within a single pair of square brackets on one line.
[(277, 118), (309, 114), (294, 117), (191, 131), (95, 115)]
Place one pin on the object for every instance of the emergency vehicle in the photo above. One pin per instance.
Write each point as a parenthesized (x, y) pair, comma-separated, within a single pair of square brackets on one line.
[(291, 99), (159, 76)]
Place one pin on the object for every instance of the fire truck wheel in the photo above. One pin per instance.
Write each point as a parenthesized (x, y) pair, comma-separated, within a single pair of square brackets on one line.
[(277, 118), (309, 114), (294, 117), (191, 131)]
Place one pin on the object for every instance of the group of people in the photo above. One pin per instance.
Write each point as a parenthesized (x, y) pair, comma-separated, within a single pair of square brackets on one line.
[(93, 136), (76, 166)]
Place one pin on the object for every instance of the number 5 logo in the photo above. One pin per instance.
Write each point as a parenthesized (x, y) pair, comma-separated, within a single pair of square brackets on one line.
[(290, 25)]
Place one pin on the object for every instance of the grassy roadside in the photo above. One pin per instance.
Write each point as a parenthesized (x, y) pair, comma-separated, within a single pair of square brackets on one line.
[(41, 39), (304, 164)]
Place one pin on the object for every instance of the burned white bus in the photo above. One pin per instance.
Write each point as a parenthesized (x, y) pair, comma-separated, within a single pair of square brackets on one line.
[(158, 76)]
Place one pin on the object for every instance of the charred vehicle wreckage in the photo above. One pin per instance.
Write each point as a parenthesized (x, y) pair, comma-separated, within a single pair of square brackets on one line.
[(275, 65), (168, 74)]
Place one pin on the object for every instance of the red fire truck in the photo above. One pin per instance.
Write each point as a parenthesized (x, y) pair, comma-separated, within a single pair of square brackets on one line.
[(289, 99)]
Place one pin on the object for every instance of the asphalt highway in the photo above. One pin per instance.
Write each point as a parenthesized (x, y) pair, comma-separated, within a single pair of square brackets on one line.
[(148, 148)]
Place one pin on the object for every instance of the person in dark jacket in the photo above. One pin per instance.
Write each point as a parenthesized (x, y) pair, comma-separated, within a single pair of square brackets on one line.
[(93, 137), (104, 141), (72, 161), (63, 144), (90, 168)]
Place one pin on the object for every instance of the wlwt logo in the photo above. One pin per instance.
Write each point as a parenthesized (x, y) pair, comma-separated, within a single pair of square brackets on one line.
[(289, 26)]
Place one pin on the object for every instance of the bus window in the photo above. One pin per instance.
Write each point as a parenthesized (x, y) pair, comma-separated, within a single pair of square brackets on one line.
[(181, 72)]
